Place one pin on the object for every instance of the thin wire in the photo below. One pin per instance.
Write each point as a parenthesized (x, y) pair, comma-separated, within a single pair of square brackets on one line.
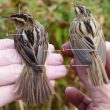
[(71, 49), (7, 34), (68, 65)]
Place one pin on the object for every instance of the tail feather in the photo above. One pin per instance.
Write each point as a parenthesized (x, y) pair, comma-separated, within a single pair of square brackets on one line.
[(48, 91), (34, 87), (105, 77), (97, 73)]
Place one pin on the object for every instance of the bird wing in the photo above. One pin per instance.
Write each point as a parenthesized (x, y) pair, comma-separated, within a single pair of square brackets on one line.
[(82, 46), (25, 49), (100, 43), (41, 47)]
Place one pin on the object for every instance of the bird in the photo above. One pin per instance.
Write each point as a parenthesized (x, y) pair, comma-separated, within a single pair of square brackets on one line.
[(88, 45), (31, 41)]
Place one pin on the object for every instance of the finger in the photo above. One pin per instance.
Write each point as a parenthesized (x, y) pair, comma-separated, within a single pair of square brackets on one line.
[(108, 59), (54, 59), (9, 74), (9, 44), (9, 56), (55, 72), (52, 83), (51, 48), (77, 98), (66, 50), (6, 44), (6, 95)]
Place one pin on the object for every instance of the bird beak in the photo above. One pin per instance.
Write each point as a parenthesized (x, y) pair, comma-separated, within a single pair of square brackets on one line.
[(7, 17)]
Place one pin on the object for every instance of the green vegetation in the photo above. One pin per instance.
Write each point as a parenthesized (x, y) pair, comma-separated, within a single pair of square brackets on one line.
[(56, 16)]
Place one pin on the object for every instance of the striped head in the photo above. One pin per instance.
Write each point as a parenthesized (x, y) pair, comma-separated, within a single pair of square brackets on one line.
[(21, 19), (82, 11)]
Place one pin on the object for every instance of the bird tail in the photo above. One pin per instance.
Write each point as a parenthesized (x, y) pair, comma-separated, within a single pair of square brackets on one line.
[(96, 72), (33, 86)]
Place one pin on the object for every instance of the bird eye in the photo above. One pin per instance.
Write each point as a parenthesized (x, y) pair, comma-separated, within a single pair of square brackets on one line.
[(81, 10)]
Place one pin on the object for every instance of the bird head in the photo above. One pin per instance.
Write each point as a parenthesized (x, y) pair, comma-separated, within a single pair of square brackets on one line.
[(82, 11), (21, 19)]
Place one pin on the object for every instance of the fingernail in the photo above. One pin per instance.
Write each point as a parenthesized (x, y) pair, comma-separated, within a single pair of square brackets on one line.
[(62, 70), (54, 59)]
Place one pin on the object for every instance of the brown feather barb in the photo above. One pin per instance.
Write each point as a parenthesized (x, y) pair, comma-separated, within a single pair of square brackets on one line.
[(31, 40), (87, 34)]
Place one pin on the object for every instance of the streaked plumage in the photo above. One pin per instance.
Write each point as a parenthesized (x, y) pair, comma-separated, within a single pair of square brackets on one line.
[(87, 34), (31, 40)]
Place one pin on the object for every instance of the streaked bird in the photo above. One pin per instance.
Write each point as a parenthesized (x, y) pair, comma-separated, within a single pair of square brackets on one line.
[(87, 34), (31, 40)]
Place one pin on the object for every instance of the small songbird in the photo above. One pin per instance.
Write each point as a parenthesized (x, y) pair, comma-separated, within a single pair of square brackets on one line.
[(31, 42), (88, 45)]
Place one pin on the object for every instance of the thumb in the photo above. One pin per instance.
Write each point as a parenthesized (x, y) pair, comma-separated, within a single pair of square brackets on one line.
[(77, 98)]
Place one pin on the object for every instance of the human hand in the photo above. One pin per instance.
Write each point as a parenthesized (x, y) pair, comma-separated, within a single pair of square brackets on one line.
[(10, 69), (99, 98)]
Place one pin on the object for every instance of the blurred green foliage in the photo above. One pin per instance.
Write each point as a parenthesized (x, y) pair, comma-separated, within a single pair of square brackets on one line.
[(56, 16)]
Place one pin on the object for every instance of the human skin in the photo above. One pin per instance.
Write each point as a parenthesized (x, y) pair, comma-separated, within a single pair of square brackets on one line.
[(99, 97), (11, 67)]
